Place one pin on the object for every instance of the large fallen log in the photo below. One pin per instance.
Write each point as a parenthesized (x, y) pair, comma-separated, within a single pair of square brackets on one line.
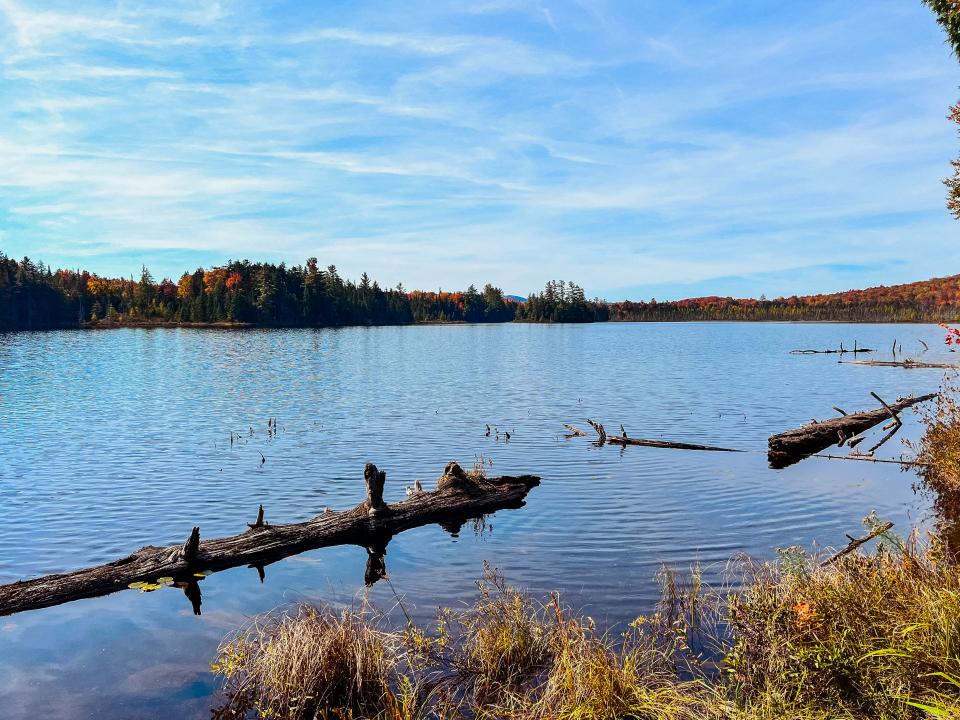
[(458, 496), (792, 446)]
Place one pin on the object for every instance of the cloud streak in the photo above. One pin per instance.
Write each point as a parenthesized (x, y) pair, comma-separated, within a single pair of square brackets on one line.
[(626, 145)]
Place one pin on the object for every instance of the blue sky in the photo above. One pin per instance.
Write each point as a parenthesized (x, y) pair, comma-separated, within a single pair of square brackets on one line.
[(639, 148)]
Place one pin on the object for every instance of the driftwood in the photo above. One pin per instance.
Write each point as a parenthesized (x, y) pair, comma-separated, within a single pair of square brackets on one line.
[(857, 542), (840, 351), (458, 497), (624, 440), (867, 458), (574, 431), (794, 445), (906, 364)]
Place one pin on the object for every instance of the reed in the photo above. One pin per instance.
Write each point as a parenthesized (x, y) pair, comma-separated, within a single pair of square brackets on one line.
[(870, 636)]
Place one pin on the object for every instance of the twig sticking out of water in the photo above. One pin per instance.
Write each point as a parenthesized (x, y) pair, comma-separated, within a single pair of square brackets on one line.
[(857, 542)]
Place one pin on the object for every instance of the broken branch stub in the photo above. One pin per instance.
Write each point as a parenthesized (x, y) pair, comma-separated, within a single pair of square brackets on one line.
[(375, 480), (191, 547), (258, 523)]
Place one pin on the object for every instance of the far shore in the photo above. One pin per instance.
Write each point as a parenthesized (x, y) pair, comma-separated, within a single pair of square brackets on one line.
[(229, 325)]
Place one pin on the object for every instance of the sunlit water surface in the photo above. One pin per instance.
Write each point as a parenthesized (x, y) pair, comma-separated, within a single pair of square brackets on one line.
[(112, 440)]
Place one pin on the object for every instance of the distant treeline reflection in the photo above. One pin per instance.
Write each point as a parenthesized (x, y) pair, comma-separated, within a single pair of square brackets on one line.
[(35, 296)]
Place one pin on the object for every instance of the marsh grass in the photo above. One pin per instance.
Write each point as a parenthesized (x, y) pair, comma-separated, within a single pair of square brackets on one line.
[(508, 655), (938, 456), (871, 636), (310, 662)]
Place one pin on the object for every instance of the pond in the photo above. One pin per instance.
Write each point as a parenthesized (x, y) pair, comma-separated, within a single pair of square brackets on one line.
[(111, 440)]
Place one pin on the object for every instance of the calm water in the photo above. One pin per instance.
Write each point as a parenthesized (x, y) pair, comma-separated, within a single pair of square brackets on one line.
[(116, 439)]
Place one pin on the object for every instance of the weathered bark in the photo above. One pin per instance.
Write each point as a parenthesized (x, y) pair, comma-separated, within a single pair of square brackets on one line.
[(370, 524), (792, 446)]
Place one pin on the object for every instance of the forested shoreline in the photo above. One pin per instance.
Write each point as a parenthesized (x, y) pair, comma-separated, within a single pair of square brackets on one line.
[(241, 293)]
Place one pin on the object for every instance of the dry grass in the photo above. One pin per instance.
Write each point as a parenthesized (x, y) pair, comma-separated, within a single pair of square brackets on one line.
[(871, 636), (310, 663), (506, 656)]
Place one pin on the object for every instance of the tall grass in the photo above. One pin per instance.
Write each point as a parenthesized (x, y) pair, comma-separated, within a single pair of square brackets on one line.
[(308, 662), (507, 656), (870, 636)]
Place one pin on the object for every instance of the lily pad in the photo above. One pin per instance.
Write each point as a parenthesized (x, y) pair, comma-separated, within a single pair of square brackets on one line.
[(150, 587), (136, 585), (165, 581)]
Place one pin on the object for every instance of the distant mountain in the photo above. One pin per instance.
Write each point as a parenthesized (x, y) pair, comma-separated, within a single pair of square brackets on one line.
[(933, 293), (932, 300), (515, 298)]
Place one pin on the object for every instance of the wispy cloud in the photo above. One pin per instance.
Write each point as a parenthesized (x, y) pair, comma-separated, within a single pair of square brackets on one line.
[(626, 145)]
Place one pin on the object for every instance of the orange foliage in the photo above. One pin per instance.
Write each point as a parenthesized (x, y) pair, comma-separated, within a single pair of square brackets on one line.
[(185, 286), (98, 286), (212, 277), (234, 280)]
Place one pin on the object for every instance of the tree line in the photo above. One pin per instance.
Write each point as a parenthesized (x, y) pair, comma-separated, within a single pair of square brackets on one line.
[(34, 296)]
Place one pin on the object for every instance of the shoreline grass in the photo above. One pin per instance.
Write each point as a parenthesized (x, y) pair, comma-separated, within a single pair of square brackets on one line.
[(871, 636)]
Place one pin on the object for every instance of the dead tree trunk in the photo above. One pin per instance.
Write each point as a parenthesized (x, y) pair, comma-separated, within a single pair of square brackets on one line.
[(794, 445), (672, 444), (623, 439), (458, 496)]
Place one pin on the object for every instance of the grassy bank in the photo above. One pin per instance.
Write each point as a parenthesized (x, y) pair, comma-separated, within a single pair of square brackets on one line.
[(870, 636)]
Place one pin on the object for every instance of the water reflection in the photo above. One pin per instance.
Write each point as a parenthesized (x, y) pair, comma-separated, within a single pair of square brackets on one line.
[(112, 437), (191, 591)]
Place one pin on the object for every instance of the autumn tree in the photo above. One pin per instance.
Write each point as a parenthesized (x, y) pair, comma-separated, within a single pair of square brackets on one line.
[(947, 13)]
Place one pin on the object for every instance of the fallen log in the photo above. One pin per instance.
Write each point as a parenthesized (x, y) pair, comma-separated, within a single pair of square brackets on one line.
[(866, 458), (458, 496), (791, 446), (620, 440), (841, 351), (907, 364), (623, 439)]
